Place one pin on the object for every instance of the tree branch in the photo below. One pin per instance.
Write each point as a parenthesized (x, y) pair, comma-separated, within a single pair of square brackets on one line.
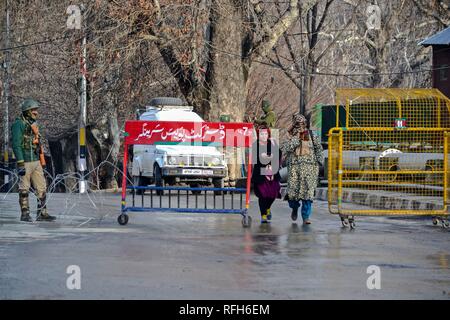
[(317, 60), (432, 14), (324, 15), (269, 40)]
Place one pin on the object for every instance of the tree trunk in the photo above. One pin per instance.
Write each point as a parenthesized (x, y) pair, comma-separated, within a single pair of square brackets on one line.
[(223, 92), (226, 83), (106, 142), (69, 147)]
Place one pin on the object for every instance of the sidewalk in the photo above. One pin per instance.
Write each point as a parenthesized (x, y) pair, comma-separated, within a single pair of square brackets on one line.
[(380, 199)]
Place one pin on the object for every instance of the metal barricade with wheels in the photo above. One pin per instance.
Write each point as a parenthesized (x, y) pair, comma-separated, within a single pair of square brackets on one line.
[(179, 199), (408, 172), (196, 199)]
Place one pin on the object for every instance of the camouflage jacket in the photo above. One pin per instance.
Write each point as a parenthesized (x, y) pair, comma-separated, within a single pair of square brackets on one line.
[(22, 141), (268, 118)]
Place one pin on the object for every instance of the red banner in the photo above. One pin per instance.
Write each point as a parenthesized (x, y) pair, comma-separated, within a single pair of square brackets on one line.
[(168, 132)]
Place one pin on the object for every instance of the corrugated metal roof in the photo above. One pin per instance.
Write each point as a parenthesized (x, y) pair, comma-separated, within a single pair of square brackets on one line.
[(440, 38)]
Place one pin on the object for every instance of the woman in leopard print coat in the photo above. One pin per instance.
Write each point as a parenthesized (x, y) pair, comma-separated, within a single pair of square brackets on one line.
[(304, 155)]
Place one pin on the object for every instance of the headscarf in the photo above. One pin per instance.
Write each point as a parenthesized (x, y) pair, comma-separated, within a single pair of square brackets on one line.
[(298, 118), (299, 124), (263, 126)]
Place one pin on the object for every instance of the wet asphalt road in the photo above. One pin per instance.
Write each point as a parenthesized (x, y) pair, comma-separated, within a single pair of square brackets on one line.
[(210, 256)]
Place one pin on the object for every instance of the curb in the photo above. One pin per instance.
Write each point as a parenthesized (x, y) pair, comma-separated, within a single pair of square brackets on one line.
[(379, 200), (382, 200)]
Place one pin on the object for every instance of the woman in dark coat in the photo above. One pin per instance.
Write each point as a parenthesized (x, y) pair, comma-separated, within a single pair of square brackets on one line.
[(265, 177)]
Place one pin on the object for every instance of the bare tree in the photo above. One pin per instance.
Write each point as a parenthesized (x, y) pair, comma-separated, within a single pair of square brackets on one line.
[(208, 45), (389, 50), (436, 9), (223, 57), (46, 66)]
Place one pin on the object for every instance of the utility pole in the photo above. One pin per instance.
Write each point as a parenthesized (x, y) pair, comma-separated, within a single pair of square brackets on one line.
[(6, 97), (302, 82), (82, 163)]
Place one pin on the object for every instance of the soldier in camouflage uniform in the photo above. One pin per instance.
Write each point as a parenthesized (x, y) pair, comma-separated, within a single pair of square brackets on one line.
[(26, 143), (268, 118), (304, 155)]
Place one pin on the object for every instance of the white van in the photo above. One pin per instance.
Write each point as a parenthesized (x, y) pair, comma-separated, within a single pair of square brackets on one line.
[(168, 165)]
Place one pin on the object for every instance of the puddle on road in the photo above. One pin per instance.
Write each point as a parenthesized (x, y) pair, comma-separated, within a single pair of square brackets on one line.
[(396, 266), (14, 231), (271, 245)]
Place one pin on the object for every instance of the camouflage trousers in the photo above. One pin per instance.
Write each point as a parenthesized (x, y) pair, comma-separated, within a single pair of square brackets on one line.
[(34, 177)]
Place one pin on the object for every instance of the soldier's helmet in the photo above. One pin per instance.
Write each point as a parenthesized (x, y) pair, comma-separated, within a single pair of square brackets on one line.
[(29, 104)]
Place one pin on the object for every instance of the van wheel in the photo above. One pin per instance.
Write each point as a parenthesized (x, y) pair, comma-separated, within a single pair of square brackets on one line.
[(218, 183), (140, 181), (159, 181), (196, 191)]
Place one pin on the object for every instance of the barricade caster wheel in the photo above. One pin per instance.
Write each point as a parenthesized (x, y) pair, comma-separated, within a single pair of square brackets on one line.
[(246, 221), (122, 219)]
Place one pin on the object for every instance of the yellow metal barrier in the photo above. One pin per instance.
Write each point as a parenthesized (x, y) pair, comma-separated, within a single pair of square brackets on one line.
[(379, 108), (388, 171), (391, 157)]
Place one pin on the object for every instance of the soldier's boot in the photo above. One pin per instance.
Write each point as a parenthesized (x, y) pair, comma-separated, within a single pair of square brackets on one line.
[(24, 206), (42, 214)]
